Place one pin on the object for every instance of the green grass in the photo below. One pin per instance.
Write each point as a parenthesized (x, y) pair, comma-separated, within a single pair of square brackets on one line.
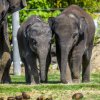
[(59, 91)]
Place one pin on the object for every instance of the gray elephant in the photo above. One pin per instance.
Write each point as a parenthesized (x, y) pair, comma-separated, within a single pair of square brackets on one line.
[(74, 32), (34, 40), (6, 6)]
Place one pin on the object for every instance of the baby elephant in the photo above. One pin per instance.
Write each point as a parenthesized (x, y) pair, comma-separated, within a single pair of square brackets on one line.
[(34, 41), (74, 33)]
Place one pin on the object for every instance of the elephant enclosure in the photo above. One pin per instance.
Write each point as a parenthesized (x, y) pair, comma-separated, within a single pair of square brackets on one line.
[(58, 91)]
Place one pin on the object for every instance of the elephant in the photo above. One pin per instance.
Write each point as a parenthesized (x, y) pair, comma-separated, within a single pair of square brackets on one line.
[(34, 41), (74, 32), (6, 6), (15, 5)]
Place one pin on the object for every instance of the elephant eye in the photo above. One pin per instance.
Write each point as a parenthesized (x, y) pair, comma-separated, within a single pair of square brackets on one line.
[(75, 34), (34, 42), (49, 42), (49, 31), (34, 31)]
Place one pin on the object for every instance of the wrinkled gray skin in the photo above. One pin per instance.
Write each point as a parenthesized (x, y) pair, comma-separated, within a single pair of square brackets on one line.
[(74, 32), (6, 6), (34, 40)]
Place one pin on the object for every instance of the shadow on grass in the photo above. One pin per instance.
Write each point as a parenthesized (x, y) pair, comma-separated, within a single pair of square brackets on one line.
[(54, 82), (49, 82), (53, 78), (18, 83)]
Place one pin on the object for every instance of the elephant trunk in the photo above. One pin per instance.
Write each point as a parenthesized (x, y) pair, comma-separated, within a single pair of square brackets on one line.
[(42, 61), (65, 70), (43, 70)]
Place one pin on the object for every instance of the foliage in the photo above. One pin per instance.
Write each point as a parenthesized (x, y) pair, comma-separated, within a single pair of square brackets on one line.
[(97, 33), (41, 8)]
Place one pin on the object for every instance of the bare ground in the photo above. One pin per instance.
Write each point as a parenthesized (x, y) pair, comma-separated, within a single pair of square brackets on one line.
[(95, 59)]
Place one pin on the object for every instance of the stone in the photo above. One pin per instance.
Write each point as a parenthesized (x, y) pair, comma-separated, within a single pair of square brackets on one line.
[(11, 98), (77, 96), (25, 95)]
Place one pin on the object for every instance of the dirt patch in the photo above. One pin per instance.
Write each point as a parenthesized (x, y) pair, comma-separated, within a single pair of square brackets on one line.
[(95, 59)]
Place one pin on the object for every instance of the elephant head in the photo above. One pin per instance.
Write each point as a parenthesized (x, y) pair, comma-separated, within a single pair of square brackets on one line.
[(68, 30), (10, 6), (39, 39), (15, 5)]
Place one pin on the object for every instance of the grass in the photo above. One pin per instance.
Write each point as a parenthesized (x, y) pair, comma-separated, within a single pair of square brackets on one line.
[(59, 91)]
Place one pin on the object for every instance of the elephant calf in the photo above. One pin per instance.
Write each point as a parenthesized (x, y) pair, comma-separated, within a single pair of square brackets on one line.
[(34, 40), (74, 32)]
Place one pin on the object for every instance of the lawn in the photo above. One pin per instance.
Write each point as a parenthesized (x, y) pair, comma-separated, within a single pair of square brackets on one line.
[(58, 91)]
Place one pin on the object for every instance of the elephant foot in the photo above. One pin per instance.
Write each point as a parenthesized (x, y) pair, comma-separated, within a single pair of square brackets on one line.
[(76, 80), (6, 78), (28, 81), (66, 81), (33, 82), (85, 80), (6, 81), (43, 81)]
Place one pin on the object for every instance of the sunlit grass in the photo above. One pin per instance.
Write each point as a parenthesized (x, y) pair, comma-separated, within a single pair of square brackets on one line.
[(59, 91)]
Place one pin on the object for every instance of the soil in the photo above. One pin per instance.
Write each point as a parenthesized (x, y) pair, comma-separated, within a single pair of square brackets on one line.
[(95, 59)]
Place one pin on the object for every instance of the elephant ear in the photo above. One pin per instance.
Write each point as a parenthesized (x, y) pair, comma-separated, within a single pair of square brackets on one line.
[(51, 22), (26, 32), (82, 25)]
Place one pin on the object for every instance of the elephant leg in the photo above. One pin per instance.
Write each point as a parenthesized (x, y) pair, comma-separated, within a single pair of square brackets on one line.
[(32, 69), (2, 67), (58, 53), (6, 77), (76, 62), (48, 61), (5, 64), (5, 58), (27, 74), (86, 65), (65, 72)]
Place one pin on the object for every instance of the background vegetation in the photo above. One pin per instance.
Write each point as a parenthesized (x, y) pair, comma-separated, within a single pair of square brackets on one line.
[(52, 8)]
